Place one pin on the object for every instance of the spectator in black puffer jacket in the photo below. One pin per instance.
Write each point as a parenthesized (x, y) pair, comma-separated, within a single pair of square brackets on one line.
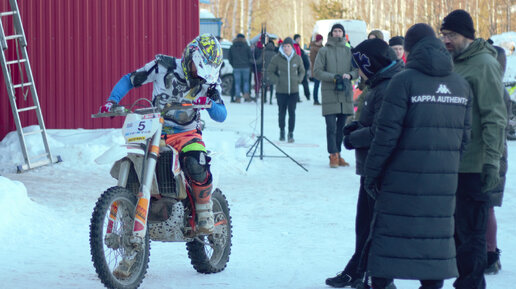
[(376, 63), (412, 166)]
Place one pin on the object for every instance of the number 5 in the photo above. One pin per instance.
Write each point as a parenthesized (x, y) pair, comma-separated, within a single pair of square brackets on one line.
[(141, 126)]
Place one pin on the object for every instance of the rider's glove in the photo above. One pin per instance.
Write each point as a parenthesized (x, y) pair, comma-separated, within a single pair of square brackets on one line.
[(213, 94), (106, 107)]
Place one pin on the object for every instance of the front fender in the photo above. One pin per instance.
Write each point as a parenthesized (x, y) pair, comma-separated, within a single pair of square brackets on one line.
[(118, 152)]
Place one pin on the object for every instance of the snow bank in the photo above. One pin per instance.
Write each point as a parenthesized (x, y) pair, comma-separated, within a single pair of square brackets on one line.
[(82, 146), (20, 216)]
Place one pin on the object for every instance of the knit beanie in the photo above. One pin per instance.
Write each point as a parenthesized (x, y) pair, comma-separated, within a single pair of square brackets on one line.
[(318, 37), (396, 40), (338, 25), (288, 40), (372, 55), (417, 32), (376, 33), (461, 22)]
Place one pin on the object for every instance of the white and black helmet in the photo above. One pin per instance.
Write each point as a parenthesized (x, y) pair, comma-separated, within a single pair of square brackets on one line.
[(206, 54)]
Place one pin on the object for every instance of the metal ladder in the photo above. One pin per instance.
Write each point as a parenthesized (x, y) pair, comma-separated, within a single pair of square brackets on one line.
[(25, 70)]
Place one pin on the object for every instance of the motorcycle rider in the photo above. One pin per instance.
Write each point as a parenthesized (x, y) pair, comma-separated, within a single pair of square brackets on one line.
[(194, 78)]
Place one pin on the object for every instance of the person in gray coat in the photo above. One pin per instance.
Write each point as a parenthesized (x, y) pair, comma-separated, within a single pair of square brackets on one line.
[(286, 71), (412, 166), (334, 69)]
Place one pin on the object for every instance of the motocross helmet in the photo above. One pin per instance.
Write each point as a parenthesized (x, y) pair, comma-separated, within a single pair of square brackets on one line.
[(206, 54)]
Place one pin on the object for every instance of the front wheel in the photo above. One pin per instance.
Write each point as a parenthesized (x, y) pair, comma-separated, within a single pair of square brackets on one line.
[(120, 262), (210, 254)]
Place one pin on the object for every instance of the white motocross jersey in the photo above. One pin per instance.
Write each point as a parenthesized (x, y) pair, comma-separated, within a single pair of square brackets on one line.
[(170, 86)]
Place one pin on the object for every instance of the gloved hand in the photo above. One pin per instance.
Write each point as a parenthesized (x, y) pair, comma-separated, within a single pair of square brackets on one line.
[(347, 143), (213, 94), (351, 127), (490, 177), (371, 186), (107, 107)]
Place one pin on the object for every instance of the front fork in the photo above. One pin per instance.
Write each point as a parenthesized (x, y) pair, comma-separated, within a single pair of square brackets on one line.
[(142, 207)]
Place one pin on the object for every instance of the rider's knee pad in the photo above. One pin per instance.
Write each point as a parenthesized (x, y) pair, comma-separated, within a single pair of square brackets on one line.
[(196, 166)]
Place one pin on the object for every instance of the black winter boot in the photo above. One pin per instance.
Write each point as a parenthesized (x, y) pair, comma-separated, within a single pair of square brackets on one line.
[(343, 280), (290, 137), (493, 263), (282, 135)]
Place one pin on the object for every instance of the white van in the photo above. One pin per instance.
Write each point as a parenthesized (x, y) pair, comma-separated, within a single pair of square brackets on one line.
[(356, 30)]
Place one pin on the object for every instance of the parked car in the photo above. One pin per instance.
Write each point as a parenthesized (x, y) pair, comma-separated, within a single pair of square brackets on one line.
[(226, 72)]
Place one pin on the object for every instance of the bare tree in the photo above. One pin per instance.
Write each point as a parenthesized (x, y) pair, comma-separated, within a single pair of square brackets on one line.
[(295, 15), (235, 5), (285, 16), (249, 17), (242, 9)]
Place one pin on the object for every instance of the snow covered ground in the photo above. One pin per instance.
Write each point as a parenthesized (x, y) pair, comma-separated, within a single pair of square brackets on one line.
[(292, 229)]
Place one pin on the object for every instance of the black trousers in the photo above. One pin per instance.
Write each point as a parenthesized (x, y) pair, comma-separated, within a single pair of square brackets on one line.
[(365, 206), (287, 102), (334, 134), (381, 283), (306, 88), (471, 215)]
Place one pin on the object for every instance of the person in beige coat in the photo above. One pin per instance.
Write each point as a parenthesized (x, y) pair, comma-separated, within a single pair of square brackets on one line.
[(286, 71), (334, 69)]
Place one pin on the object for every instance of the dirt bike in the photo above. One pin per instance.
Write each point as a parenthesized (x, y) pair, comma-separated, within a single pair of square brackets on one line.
[(151, 201)]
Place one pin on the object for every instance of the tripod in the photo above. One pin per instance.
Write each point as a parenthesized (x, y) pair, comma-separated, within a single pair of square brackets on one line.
[(261, 137)]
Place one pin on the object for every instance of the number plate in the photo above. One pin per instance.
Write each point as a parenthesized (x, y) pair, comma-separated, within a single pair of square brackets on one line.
[(138, 128)]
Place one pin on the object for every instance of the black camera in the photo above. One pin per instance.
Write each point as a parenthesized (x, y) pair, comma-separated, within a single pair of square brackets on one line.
[(340, 85)]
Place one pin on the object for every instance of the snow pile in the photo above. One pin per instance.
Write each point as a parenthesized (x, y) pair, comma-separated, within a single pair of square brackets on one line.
[(17, 209), (68, 144)]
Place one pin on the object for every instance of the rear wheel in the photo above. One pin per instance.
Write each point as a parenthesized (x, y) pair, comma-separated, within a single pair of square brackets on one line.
[(210, 254), (111, 241)]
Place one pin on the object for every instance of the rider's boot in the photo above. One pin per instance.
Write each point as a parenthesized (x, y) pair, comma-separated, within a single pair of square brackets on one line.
[(203, 207), (123, 270)]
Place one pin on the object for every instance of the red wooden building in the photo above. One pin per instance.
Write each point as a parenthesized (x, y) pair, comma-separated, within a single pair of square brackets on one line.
[(79, 49)]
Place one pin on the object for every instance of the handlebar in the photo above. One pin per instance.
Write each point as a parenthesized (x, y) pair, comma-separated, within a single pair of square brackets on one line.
[(118, 110)]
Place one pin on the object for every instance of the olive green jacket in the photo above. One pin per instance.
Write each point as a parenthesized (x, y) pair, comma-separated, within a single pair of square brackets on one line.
[(286, 72), (478, 65), (335, 58)]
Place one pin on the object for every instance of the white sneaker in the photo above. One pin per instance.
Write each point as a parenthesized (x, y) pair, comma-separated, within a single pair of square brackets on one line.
[(205, 223)]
